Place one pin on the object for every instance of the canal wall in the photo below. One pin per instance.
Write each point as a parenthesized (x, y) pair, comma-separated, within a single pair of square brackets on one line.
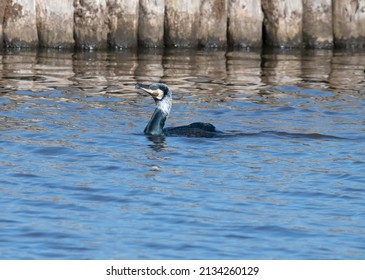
[(119, 24)]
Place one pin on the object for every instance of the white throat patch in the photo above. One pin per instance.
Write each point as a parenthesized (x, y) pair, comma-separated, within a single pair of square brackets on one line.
[(165, 105)]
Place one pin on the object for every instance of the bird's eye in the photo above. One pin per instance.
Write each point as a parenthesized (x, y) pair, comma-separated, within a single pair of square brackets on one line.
[(153, 87)]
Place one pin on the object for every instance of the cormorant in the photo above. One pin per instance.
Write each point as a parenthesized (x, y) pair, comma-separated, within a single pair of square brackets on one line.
[(163, 99)]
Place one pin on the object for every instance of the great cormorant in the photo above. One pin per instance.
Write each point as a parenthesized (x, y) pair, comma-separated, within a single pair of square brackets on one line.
[(163, 99)]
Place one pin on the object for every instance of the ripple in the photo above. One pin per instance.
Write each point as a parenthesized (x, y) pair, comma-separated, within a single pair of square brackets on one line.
[(77, 172), (315, 92), (53, 151)]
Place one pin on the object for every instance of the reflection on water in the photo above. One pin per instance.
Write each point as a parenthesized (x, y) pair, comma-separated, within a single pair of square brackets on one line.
[(212, 72), (80, 180), (159, 143)]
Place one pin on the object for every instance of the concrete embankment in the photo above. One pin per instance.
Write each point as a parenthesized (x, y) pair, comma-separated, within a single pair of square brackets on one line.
[(102, 24)]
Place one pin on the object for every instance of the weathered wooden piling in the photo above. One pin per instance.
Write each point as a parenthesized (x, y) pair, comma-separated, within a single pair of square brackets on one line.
[(20, 30), (55, 23), (123, 23), (181, 23), (151, 23), (245, 19), (99, 24), (283, 23), (213, 24), (2, 14), (317, 23), (349, 23), (91, 24)]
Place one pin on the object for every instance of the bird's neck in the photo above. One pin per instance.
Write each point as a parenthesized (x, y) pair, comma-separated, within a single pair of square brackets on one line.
[(156, 123)]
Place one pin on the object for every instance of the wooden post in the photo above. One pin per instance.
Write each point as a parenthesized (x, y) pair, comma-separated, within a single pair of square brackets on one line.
[(317, 23), (91, 24), (123, 23), (245, 19), (283, 23), (213, 24), (181, 23), (2, 14), (55, 22), (349, 23), (20, 30), (151, 23)]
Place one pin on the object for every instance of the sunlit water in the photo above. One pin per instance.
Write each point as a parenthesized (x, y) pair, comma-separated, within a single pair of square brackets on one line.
[(79, 180)]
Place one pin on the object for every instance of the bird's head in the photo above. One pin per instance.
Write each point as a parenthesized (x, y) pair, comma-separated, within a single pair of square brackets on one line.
[(157, 90), (160, 93)]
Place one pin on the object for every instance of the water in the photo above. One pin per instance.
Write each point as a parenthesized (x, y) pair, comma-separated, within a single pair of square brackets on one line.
[(79, 180)]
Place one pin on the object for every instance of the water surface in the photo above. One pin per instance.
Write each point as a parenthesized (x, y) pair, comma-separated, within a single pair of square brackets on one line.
[(79, 180)]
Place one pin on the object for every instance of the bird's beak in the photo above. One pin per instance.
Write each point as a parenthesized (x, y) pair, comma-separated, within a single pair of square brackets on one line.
[(157, 94)]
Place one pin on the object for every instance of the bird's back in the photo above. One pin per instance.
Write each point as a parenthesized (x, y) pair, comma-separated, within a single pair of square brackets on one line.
[(197, 129)]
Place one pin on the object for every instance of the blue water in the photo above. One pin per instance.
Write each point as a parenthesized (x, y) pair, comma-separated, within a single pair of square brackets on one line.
[(79, 180)]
